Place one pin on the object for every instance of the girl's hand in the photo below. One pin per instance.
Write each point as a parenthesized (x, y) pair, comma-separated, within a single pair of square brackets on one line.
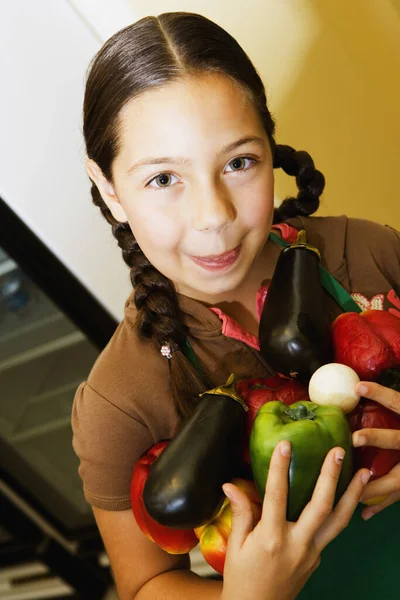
[(275, 558), (389, 485)]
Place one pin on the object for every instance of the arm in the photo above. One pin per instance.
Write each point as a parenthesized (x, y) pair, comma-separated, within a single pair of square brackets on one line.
[(142, 570), (108, 441)]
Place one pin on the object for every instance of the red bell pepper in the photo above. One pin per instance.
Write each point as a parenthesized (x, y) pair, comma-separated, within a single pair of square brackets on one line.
[(214, 535), (174, 541), (371, 415), (258, 390), (368, 342)]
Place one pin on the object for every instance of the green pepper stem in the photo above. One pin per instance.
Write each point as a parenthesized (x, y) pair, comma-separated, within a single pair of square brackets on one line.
[(300, 413)]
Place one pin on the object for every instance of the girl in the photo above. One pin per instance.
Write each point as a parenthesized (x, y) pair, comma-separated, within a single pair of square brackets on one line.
[(181, 154)]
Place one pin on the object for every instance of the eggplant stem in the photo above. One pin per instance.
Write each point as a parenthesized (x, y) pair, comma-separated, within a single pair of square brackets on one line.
[(229, 390), (301, 242)]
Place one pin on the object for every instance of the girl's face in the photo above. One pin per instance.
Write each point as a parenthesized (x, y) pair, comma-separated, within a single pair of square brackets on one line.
[(194, 179)]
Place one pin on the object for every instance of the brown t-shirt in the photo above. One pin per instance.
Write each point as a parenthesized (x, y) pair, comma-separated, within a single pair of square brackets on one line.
[(125, 406)]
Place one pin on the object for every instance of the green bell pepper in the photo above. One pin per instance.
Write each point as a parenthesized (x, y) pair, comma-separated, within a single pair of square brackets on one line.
[(312, 431)]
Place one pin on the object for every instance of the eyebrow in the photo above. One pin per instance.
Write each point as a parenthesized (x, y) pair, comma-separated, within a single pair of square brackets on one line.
[(182, 160)]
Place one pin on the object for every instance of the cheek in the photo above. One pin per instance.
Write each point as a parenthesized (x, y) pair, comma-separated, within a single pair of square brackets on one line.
[(155, 231), (259, 209)]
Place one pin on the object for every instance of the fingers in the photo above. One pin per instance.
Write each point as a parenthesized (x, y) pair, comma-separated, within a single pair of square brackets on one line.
[(385, 396), (276, 491), (320, 506), (388, 484), (242, 514), (381, 438), (369, 512), (341, 515), (316, 564)]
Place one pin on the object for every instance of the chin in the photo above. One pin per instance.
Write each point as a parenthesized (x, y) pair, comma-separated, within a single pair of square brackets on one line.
[(219, 286)]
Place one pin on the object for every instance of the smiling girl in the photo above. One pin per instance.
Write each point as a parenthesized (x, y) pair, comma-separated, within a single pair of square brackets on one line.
[(181, 152)]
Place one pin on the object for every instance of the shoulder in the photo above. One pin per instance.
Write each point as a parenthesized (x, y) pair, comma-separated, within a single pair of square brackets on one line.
[(326, 226), (129, 369), (132, 378), (360, 241), (373, 236), (373, 257), (345, 233), (363, 255)]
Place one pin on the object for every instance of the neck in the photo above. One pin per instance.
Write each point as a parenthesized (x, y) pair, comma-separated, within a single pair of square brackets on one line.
[(241, 304)]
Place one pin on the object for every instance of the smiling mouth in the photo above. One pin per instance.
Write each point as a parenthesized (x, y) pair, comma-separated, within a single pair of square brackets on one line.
[(219, 261), (216, 257)]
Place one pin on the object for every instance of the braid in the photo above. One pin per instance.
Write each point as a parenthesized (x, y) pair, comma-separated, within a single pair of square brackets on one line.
[(309, 180), (158, 314)]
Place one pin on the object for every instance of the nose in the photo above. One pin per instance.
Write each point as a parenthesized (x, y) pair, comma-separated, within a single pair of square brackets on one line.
[(213, 209)]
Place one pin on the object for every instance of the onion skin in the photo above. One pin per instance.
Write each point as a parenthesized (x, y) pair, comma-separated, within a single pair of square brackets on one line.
[(334, 384)]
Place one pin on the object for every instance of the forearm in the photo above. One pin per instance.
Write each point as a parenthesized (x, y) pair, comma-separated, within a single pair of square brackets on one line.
[(180, 585)]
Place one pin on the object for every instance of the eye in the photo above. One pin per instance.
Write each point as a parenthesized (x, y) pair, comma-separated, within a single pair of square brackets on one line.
[(163, 180), (241, 163)]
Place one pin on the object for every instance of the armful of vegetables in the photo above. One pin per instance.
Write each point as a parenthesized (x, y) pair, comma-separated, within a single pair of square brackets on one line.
[(297, 342), (182, 491)]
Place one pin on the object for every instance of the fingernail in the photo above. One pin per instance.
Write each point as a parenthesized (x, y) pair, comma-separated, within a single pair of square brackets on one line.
[(365, 477), (362, 389), (284, 447), (339, 456), (368, 516), (227, 494), (359, 440)]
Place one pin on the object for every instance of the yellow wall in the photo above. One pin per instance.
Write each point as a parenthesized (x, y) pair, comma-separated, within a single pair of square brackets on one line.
[(331, 69)]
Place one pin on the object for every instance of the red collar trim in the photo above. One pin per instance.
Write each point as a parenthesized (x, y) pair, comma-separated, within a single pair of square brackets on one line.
[(230, 327)]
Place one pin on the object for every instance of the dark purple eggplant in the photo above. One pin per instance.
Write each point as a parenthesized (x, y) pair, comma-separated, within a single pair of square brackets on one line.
[(294, 331), (184, 487)]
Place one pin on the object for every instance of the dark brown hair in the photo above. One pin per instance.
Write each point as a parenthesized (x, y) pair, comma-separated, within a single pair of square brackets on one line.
[(153, 52)]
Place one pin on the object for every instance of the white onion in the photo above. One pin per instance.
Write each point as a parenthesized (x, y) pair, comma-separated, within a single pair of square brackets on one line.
[(334, 383)]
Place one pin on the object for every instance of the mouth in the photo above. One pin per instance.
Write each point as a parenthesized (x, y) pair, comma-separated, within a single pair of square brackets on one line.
[(220, 261)]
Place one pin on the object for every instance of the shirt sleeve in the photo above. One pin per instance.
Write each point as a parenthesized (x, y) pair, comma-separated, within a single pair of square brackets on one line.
[(108, 442)]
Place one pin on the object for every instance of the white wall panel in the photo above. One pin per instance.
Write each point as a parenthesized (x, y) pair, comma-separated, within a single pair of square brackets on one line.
[(45, 48)]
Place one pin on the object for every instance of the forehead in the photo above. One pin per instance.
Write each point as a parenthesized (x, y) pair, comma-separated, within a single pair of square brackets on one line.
[(183, 115)]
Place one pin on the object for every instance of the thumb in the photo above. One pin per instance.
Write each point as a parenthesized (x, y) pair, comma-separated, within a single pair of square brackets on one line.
[(243, 521)]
